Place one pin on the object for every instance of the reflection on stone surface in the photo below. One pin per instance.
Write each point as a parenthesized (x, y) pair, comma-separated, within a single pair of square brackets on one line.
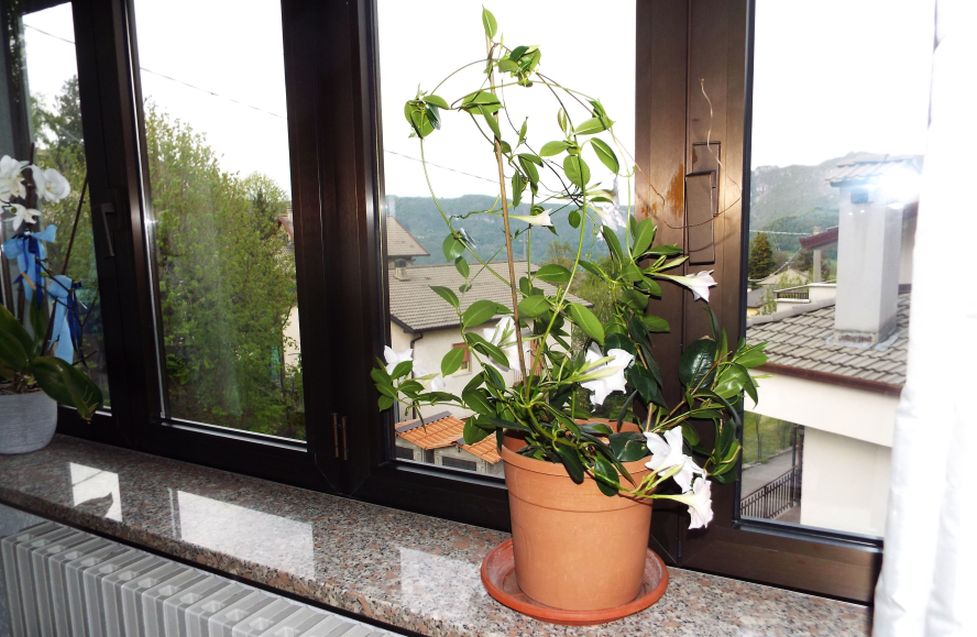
[(244, 533), (96, 491), (422, 583), (407, 570)]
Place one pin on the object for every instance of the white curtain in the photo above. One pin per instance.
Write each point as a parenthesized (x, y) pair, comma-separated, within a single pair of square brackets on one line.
[(929, 573)]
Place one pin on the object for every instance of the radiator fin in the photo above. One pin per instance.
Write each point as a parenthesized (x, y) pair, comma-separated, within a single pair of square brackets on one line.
[(63, 582)]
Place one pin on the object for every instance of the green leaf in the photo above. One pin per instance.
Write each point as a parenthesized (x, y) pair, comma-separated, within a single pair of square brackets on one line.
[(452, 248), (642, 380), (596, 429), (561, 119), (384, 403), (446, 294), (11, 327), (482, 346), (518, 186), (477, 401), (494, 125), (733, 381), (67, 385), (609, 483), (481, 311), (751, 356), (644, 234), (553, 148), (570, 459), (533, 306), (606, 155), (613, 245), (528, 164), (452, 361), (696, 361), (588, 321), (435, 100), (574, 219), (665, 251), (554, 273), (402, 369), (522, 131), (462, 266), (654, 323), (590, 127), (628, 446), (472, 433), (488, 21), (577, 170)]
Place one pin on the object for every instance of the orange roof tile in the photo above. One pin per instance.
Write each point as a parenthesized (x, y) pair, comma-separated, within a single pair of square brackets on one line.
[(441, 430), (484, 450)]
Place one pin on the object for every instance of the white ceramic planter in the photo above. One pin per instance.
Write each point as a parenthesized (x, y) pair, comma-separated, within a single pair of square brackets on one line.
[(27, 422)]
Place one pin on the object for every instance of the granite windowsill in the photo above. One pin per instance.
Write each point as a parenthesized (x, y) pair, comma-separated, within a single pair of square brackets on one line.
[(402, 569)]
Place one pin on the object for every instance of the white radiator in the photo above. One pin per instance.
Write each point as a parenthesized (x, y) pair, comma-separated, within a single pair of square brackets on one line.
[(61, 581)]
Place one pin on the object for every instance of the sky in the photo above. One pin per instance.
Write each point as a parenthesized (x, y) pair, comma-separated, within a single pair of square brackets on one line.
[(831, 76)]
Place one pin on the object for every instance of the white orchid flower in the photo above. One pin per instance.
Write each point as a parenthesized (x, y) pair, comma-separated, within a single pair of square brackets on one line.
[(606, 377), (699, 283), (542, 219), (503, 336), (22, 215), (51, 185), (433, 380), (699, 501), (392, 358), (11, 183), (610, 215), (666, 454)]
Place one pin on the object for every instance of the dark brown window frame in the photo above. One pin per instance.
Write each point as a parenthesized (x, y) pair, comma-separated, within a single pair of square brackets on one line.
[(334, 135)]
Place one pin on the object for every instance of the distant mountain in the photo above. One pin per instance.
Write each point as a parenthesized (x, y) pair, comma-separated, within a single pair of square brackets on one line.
[(791, 199), (421, 218)]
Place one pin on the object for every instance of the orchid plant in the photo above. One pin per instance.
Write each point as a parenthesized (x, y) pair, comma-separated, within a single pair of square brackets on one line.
[(532, 335), (24, 363)]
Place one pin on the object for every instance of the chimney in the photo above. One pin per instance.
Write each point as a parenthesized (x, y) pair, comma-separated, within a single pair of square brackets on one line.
[(400, 270), (873, 195)]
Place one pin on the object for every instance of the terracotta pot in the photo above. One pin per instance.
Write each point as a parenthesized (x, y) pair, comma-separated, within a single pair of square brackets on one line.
[(574, 547)]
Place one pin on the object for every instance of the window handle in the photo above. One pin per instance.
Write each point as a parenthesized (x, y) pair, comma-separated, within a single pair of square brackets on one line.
[(104, 211), (340, 447)]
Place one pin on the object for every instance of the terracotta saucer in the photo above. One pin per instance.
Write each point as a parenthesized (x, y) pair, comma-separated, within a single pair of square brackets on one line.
[(499, 579)]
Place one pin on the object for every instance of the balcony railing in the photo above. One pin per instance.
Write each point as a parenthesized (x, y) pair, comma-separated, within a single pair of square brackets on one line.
[(774, 498)]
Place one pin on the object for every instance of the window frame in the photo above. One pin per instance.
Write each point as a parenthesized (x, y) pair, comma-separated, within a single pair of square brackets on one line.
[(332, 79)]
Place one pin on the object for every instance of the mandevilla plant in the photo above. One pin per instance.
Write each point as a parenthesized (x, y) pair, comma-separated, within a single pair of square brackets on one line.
[(546, 406)]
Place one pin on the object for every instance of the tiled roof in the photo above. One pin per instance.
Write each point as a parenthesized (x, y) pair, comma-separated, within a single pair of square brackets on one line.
[(821, 239), (803, 337), (401, 243), (444, 430), (418, 308)]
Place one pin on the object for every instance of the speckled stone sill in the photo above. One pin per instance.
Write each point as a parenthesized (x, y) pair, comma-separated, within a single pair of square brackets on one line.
[(403, 569)]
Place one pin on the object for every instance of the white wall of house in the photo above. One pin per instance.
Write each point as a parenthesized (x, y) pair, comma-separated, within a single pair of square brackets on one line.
[(847, 449), (845, 483), (428, 352), (291, 334)]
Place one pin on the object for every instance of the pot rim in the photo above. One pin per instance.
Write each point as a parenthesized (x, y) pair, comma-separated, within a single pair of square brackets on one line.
[(510, 456)]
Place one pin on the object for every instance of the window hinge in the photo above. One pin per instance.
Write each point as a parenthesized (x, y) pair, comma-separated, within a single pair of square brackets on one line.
[(339, 437)]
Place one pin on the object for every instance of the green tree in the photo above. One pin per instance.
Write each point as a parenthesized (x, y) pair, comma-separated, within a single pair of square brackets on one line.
[(225, 270), (226, 282), (761, 262)]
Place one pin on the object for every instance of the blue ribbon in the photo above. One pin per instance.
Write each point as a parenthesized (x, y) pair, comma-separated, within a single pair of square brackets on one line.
[(67, 324), (28, 251)]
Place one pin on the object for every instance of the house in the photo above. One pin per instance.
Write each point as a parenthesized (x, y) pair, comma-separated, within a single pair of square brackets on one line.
[(439, 440), (837, 356), (422, 321)]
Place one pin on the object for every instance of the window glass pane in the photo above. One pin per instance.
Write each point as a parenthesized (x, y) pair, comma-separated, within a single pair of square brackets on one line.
[(838, 135), (219, 193), (46, 115), (462, 172)]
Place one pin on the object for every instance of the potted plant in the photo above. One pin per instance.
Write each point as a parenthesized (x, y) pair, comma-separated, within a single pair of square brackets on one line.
[(580, 486), (32, 382)]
